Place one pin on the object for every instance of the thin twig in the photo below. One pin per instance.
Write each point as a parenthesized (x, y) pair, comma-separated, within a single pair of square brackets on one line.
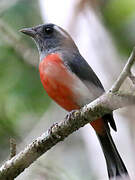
[(12, 147), (13, 39), (125, 73)]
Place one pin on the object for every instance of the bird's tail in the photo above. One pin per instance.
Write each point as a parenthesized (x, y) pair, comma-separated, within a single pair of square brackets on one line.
[(115, 166)]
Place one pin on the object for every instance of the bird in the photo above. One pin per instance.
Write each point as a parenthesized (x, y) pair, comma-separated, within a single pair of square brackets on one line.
[(70, 81)]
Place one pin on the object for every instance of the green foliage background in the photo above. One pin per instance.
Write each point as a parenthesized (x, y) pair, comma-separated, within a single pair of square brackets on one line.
[(21, 92), (22, 97), (119, 17)]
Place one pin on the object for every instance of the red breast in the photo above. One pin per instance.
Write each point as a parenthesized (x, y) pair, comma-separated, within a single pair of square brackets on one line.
[(56, 80)]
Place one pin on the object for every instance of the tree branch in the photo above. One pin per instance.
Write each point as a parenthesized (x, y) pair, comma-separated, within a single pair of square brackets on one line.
[(125, 73), (108, 102)]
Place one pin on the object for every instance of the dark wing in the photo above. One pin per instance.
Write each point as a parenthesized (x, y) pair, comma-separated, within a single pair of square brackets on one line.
[(81, 68)]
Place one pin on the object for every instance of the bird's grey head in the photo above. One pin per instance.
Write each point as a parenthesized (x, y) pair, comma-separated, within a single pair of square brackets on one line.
[(50, 38)]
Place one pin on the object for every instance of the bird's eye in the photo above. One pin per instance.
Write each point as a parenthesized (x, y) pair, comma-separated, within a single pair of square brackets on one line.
[(48, 30)]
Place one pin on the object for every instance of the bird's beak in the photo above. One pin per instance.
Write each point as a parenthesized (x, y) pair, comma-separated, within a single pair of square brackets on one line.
[(29, 31)]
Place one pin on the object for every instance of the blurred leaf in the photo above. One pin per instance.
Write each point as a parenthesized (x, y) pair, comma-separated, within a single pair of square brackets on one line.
[(118, 15)]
